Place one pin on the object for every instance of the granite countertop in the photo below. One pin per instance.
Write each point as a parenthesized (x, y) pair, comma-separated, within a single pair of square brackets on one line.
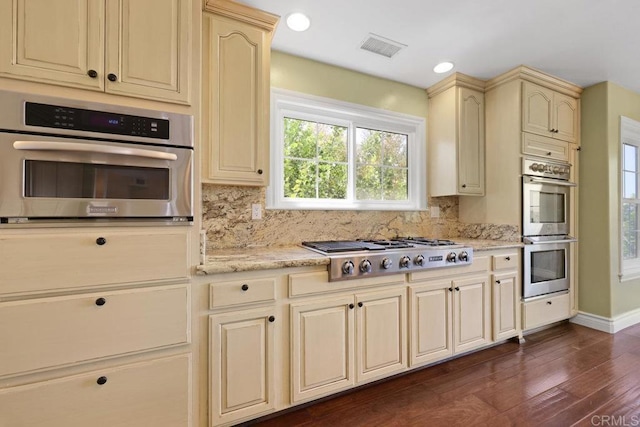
[(270, 257)]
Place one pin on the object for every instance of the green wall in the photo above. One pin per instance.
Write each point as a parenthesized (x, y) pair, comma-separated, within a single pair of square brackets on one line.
[(320, 79), (600, 290)]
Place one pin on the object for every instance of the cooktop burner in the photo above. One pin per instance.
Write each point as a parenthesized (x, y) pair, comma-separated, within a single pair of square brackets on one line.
[(351, 259)]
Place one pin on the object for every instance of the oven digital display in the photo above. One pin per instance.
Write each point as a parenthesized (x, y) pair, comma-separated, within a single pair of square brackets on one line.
[(436, 258), (104, 120)]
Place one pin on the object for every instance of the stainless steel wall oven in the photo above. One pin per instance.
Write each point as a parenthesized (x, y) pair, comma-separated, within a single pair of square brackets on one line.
[(71, 160), (546, 221)]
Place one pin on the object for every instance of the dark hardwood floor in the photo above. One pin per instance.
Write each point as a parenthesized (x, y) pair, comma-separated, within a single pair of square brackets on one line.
[(563, 376)]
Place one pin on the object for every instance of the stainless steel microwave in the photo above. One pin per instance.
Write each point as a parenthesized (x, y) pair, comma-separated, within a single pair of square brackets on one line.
[(73, 160)]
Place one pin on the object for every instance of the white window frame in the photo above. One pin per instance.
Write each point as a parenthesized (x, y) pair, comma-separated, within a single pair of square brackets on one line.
[(629, 135), (285, 103)]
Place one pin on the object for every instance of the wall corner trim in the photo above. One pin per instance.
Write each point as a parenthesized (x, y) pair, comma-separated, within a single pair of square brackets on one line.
[(606, 324)]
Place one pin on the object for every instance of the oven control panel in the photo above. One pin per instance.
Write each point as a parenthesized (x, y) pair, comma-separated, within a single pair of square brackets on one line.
[(547, 169)]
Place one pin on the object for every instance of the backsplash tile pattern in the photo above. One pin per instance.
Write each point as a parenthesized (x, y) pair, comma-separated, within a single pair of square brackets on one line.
[(226, 217)]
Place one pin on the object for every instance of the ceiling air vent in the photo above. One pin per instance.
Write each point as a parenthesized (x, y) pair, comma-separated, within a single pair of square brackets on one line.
[(381, 46)]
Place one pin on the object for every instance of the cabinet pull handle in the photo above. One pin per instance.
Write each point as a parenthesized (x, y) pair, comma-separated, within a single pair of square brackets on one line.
[(272, 319), (101, 301), (92, 73), (464, 185), (498, 282), (450, 289), (101, 241), (553, 130), (360, 304), (112, 77), (548, 153), (549, 302), (508, 258), (457, 288), (245, 287), (259, 171), (351, 306), (102, 380)]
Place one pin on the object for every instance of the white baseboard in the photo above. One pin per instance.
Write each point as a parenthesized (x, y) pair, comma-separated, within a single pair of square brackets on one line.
[(606, 324)]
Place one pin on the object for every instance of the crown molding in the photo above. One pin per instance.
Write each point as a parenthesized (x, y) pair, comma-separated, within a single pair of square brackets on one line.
[(538, 77), (458, 80), (243, 13)]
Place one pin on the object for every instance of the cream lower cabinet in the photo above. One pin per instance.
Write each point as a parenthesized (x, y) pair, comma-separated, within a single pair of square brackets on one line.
[(506, 305), (242, 364), (339, 342), (139, 48), (449, 316)]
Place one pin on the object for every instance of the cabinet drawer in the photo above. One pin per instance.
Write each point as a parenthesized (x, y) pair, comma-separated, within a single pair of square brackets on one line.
[(547, 310), (242, 292), (538, 145), (49, 332), (154, 393), (66, 260), (506, 261)]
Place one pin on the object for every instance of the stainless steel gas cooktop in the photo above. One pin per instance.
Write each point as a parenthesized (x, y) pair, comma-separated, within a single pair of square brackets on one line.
[(353, 259)]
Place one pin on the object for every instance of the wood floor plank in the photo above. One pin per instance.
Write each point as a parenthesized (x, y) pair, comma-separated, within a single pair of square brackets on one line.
[(561, 376)]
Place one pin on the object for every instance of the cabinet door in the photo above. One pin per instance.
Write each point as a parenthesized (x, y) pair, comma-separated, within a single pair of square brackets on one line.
[(242, 363), (322, 343), (53, 41), (537, 109), (471, 313), (431, 322), (565, 115), (471, 142), (236, 56), (380, 334), (149, 48), (506, 306)]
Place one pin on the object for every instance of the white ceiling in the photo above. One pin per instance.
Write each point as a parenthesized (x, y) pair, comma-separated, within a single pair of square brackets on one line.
[(582, 41)]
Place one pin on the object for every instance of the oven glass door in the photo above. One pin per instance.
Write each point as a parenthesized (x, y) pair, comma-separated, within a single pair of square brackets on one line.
[(545, 208), (546, 268)]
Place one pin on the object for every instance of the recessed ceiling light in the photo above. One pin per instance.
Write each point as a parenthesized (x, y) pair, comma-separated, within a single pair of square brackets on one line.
[(298, 21), (443, 67)]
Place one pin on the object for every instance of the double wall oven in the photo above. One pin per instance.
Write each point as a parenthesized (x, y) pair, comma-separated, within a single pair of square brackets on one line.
[(66, 160), (546, 221)]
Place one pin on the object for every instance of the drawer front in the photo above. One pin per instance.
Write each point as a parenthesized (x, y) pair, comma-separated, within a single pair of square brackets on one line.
[(242, 292), (543, 146), (49, 332), (506, 261), (154, 393), (68, 260), (545, 311)]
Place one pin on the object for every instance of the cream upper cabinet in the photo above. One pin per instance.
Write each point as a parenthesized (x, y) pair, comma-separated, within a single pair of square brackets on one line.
[(236, 85), (456, 137), (242, 364), (549, 113), (139, 48)]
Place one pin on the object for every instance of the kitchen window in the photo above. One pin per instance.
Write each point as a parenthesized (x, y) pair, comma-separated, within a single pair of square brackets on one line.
[(630, 199), (328, 154)]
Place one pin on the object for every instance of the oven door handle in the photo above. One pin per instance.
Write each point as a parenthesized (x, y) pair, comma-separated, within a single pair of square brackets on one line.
[(551, 181), (93, 148), (528, 241)]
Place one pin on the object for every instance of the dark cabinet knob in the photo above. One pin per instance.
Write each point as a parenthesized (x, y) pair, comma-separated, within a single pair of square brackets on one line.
[(101, 301), (101, 241), (457, 288), (508, 258), (548, 153), (464, 185), (450, 289), (272, 319), (360, 304), (112, 77), (102, 380), (549, 302), (498, 282), (245, 287), (92, 73), (260, 172), (351, 306), (553, 130)]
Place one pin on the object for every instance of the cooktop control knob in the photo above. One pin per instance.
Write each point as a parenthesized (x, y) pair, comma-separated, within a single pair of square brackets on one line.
[(534, 167), (365, 266), (419, 260), (463, 256), (451, 257), (405, 261), (347, 268), (387, 263)]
